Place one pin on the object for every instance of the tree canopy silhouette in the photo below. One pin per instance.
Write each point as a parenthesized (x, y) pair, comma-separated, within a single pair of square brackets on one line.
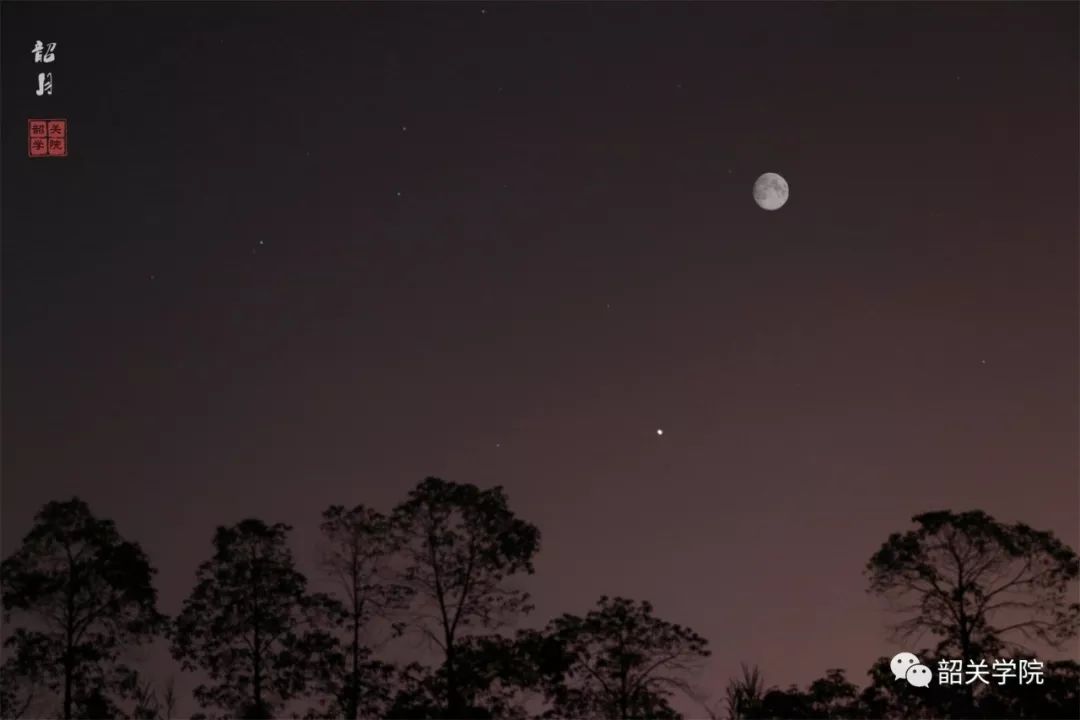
[(833, 697), (444, 563), (494, 676), (743, 695), (620, 661), (460, 545), (22, 685), (252, 626), (89, 595), (357, 554), (978, 584)]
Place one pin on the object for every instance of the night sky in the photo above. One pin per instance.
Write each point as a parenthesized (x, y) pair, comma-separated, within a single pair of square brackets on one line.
[(304, 254)]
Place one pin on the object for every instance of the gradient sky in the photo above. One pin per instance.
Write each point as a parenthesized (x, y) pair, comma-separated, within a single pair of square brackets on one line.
[(310, 254)]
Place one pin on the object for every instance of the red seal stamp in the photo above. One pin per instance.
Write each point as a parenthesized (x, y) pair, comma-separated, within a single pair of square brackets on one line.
[(47, 137)]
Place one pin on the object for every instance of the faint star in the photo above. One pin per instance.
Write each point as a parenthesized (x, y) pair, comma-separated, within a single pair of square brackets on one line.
[(659, 431), (404, 128), (982, 362), (399, 193)]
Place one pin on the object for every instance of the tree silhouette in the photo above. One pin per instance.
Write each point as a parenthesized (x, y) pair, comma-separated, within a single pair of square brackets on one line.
[(978, 585), (833, 696), (492, 672), (960, 573), (357, 553), (1057, 698), (20, 676), (459, 545), (744, 694), (251, 625), (153, 705), (742, 697), (443, 564), (337, 672), (891, 699), (620, 661), (789, 704), (89, 595)]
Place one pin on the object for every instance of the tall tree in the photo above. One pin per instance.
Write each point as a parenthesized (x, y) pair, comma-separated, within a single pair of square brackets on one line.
[(620, 661), (88, 595), (460, 545), (980, 586), (251, 625), (359, 545), (977, 584)]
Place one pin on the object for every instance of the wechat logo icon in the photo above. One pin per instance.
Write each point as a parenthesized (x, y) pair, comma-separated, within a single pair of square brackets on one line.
[(906, 666)]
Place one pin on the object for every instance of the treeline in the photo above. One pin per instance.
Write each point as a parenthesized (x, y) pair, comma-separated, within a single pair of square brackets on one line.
[(835, 697), (444, 568)]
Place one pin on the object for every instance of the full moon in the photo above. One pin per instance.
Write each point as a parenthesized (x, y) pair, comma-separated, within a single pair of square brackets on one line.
[(770, 191)]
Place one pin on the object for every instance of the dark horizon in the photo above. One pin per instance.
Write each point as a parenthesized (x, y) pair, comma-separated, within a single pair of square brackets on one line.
[(310, 254)]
